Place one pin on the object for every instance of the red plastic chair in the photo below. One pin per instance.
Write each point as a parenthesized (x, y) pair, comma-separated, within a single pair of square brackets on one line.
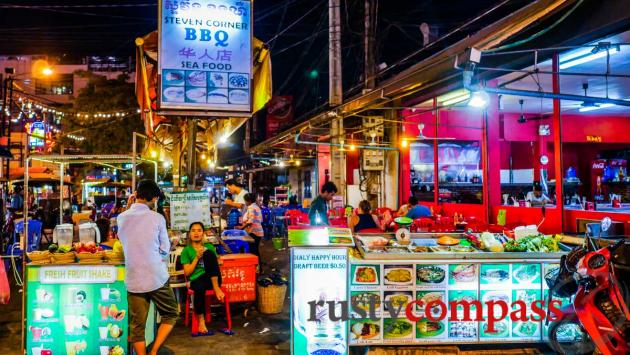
[(208, 298), (293, 217), (426, 224)]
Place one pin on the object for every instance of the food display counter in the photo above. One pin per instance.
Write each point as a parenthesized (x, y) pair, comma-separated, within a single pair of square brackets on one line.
[(395, 276), (78, 309)]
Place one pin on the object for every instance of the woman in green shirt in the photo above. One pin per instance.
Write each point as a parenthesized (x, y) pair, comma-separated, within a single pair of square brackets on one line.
[(202, 269)]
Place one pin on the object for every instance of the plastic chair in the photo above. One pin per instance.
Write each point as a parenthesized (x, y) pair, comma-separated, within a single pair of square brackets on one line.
[(235, 245), (423, 223), (233, 234), (32, 241), (176, 278), (208, 301)]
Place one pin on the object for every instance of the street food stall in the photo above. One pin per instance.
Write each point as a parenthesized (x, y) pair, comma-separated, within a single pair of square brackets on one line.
[(74, 291), (380, 275)]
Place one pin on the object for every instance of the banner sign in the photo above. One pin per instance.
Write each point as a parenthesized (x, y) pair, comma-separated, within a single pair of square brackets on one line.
[(279, 114), (87, 316), (319, 281), (205, 55), (77, 274), (188, 207)]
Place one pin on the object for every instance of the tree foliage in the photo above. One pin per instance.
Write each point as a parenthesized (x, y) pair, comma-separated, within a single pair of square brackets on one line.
[(103, 135)]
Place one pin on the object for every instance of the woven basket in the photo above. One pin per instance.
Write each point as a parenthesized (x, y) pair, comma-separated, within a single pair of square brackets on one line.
[(63, 258), (114, 257), (86, 258), (271, 298), (39, 257)]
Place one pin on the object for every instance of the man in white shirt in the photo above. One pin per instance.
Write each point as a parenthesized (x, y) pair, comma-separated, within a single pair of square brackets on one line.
[(238, 193), (146, 245)]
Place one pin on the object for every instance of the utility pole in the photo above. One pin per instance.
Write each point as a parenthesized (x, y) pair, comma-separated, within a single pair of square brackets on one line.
[(335, 92), (335, 97), (369, 73)]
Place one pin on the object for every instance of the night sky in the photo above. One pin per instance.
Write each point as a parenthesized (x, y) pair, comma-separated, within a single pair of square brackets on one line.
[(70, 30)]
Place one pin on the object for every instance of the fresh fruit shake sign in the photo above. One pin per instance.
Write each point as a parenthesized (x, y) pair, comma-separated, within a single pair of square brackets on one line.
[(76, 309), (205, 55)]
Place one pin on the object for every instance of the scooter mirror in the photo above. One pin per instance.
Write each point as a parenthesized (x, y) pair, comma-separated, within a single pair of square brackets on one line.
[(606, 223)]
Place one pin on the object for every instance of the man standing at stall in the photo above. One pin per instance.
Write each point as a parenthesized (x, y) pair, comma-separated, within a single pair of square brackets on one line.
[(318, 213), (238, 193), (146, 245)]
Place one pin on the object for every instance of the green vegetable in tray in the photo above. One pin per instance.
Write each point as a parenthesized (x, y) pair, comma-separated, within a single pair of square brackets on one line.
[(534, 243)]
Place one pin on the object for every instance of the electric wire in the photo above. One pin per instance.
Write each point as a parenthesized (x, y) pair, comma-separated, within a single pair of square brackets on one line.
[(295, 22)]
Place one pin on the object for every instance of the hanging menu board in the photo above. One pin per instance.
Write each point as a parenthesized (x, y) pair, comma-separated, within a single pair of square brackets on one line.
[(205, 55), (76, 309), (188, 207), (392, 285)]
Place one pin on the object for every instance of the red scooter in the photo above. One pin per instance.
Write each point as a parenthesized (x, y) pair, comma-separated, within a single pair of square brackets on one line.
[(598, 279)]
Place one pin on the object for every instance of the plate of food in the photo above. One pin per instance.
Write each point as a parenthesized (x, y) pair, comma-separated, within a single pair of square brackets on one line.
[(217, 96), (196, 78), (396, 328), (174, 94), (496, 296), (374, 241), (173, 77), (501, 329), (239, 81), (495, 275), (365, 330), (397, 299), (464, 272), (526, 329), (432, 296), (217, 80), (366, 275), (447, 240), (427, 328), (363, 299), (196, 95), (398, 275), (239, 97), (526, 273), (430, 274)]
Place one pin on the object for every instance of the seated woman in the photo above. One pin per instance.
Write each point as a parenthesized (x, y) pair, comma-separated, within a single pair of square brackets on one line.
[(364, 220), (201, 266)]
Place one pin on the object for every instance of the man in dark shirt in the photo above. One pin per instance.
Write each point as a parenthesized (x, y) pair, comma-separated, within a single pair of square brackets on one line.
[(318, 213)]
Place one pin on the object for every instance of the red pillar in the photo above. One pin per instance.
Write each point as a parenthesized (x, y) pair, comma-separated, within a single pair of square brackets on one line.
[(557, 138), (492, 155), (436, 168)]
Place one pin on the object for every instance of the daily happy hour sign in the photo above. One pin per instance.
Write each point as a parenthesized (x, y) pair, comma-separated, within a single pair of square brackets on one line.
[(205, 55)]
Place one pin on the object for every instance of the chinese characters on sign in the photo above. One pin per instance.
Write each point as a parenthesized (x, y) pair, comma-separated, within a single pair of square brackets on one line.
[(205, 55)]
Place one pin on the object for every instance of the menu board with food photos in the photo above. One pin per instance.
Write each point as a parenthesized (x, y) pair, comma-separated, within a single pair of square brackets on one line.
[(76, 309), (389, 286)]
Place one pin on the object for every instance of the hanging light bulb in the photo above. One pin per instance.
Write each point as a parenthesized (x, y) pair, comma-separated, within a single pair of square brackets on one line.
[(153, 154), (353, 147), (203, 156), (298, 163), (404, 143)]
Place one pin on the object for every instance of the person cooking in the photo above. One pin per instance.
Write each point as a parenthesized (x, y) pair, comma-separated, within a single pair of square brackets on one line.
[(536, 197), (238, 193), (201, 266)]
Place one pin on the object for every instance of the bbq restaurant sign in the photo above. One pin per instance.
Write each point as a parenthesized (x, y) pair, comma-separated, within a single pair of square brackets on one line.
[(205, 55)]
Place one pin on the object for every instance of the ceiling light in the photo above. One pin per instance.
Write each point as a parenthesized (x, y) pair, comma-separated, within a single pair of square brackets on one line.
[(479, 99), (153, 154), (453, 97), (298, 163), (586, 108), (223, 139), (203, 156), (212, 164), (588, 54), (353, 147), (404, 143), (281, 164)]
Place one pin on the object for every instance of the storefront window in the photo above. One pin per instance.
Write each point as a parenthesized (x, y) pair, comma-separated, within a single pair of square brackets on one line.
[(421, 159), (460, 173)]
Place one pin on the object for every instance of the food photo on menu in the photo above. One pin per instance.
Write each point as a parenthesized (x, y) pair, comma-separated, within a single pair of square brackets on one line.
[(430, 275), (397, 274), (365, 274)]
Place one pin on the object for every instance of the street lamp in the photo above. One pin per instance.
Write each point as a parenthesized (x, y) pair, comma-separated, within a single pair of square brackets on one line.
[(47, 71)]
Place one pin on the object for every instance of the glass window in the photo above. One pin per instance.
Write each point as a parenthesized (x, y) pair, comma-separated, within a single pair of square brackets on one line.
[(421, 170), (459, 172)]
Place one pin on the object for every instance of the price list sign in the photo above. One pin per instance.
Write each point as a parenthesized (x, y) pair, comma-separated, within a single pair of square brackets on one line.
[(188, 207), (205, 55)]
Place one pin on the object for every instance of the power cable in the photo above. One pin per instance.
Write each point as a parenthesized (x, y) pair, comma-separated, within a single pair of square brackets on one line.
[(539, 33), (295, 22)]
